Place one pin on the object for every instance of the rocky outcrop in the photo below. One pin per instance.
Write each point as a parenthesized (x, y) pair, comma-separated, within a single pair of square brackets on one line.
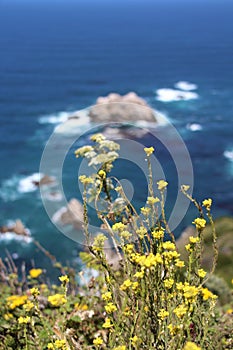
[(45, 180), (70, 215), (17, 227), (117, 108)]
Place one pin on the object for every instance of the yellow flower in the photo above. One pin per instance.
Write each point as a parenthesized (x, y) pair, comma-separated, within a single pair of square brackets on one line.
[(57, 299), (199, 223), (85, 180), (64, 279), (14, 301), (98, 341), (173, 329), (168, 283), (135, 340), (34, 291), (102, 174), (152, 200), (135, 285), (163, 314), (169, 245), (201, 273), (126, 284), (191, 346), (229, 311), (139, 274), (207, 203), (141, 232), (125, 234), (194, 239), (110, 307), (188, 247), (190, 292), (149, 150), (180, 311), (83, 150), (107, 323), (121, 347), (207, 294), (8, 316), (34, 273), (98, 137), (129, 248), (179, 263), (157, 234), (162, 185), (119, 226), (50, 346), (185, 188), (107, 296), (60, 344), (28, 306), (23, 320), (145, 211)]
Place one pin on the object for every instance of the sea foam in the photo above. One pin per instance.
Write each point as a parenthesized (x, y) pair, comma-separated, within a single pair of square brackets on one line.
[(11, 236), (185, 86), (28, 184), (194, 127), (228, 154), (171, 95), (55, 118)]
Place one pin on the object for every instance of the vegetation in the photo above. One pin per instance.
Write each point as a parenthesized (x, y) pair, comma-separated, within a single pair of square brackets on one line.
[(145, 295)]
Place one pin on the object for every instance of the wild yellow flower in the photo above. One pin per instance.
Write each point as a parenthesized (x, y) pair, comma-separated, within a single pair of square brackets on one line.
[(190, 292), (135, 340), (229, 311), (199, 223), (8, 316), (98, 242), (162, 185), (119, 226), (107, 323), (185, 188), (98, 137), (57, 299), (169, 245), (149, 150), (121, 347), (207, 203), (179, 286), (179, 263), (110, 307), (102, 174), (85, 180), (107, 296), (28, 306), (98, 341), (126, 284), (83, 150), (135, 285), (60, 344), (150, 260), (64, 279), (139, 274), (125, 234), (168, 283), (14, 301), (207, 294), (80, 307), (142, 231), (173, 329), (157, 234), (201, 273), (191, 346), (34, 273), (180, 311), (34, 291), (194, 239), (188, 247), (145, 211), (24, 320), (152, 200), (169, 256), (163, 314), (129, 248)]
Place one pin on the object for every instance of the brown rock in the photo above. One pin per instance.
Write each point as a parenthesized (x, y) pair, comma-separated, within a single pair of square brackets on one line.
[(71, 215), (19, 228), (117, 108)]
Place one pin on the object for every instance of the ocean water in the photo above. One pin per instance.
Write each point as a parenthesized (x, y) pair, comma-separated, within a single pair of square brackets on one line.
[(56, 58)]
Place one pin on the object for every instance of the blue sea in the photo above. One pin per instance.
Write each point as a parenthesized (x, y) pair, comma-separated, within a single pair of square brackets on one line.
[(57, 57)]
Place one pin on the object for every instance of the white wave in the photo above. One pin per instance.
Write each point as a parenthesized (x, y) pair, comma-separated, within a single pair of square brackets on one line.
[(194, 127), (13, 188), (76, 123), (11, 236), (185, 85), (56, 118), (28, 184), (170, 95), (228, 154)]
